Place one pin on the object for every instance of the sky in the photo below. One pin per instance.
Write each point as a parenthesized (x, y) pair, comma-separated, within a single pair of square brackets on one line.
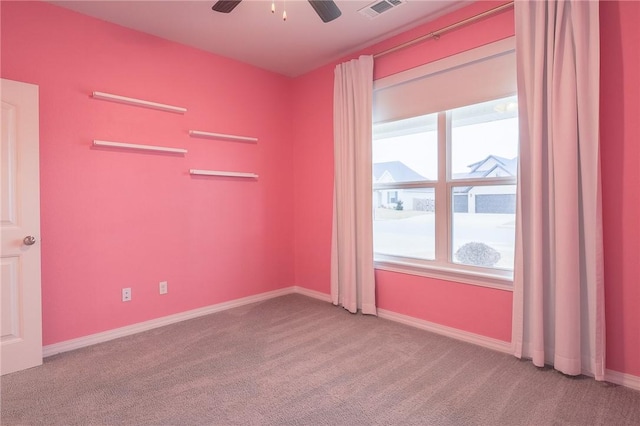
[(470, 144)]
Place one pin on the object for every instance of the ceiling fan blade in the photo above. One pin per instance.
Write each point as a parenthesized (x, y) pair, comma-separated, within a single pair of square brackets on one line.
[(326, 9), (225, 6)]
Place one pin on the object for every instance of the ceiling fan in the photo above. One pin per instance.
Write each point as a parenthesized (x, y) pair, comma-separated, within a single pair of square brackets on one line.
[(326, 9)]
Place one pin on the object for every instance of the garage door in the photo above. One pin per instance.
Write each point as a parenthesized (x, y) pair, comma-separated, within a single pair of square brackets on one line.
[(496, 203)]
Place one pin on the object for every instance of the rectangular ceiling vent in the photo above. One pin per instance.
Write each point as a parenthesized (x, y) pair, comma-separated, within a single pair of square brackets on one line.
[(379, 7)]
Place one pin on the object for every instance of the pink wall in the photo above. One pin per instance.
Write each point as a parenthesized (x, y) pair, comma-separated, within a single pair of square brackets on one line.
[(480, 310), (483, 311), (620, 150), (113, 219), (312, 132)]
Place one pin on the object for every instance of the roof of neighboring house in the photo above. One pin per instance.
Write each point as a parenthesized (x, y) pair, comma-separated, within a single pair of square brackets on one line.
[(509, 165), (399, 171)]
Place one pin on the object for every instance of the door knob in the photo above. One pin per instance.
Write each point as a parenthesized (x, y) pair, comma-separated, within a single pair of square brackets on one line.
[(29, 240)]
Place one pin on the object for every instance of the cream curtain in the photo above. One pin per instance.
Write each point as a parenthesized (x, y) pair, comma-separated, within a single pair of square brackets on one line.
[(558, 284), (352, 273)]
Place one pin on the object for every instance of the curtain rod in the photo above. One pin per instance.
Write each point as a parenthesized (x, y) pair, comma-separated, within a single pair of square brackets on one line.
[(436, 34)]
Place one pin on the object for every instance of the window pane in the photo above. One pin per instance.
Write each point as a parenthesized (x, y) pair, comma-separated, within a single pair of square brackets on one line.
[(484, 139), (406, 226), (405, 150), (484, 225)]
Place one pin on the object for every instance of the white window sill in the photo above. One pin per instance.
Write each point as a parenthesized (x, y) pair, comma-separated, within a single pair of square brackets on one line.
[(445, 272)]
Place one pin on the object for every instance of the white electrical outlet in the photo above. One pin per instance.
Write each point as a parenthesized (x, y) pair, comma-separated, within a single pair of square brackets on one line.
[(126, 294), (164, 287)]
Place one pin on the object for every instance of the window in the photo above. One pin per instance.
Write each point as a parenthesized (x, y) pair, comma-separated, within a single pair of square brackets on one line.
[(444, 182)]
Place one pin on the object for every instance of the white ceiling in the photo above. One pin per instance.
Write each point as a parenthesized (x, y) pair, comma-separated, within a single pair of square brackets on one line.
[(252, 34)]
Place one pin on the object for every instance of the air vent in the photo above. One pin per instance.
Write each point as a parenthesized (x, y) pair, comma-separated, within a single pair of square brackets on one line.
[(379, 7)]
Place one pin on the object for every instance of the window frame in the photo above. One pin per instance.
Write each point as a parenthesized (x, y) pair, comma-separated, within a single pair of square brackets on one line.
[(443, 267)]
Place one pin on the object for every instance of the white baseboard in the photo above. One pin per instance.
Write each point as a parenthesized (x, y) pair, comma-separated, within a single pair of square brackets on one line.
[(622, 379), (312, 293), (615, 377), (128, 330), (465, 336)]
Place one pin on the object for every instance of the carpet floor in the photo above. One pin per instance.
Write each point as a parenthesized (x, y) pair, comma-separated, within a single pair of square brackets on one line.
[(294, 360)]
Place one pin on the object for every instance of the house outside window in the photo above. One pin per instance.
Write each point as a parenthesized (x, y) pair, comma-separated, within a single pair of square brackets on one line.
[(479, 204)]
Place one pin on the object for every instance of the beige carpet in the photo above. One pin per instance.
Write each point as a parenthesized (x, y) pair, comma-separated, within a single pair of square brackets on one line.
[(298, 361)]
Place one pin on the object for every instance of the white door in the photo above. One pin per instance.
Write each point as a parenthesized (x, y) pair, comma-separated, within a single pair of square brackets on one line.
[(20, 307)]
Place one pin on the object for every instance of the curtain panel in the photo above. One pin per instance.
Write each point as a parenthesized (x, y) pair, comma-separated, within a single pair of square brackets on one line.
[(352, 270), (558, 315)]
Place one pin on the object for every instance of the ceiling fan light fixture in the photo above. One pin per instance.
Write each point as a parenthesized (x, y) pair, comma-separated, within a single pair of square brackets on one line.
[(325, 9)]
